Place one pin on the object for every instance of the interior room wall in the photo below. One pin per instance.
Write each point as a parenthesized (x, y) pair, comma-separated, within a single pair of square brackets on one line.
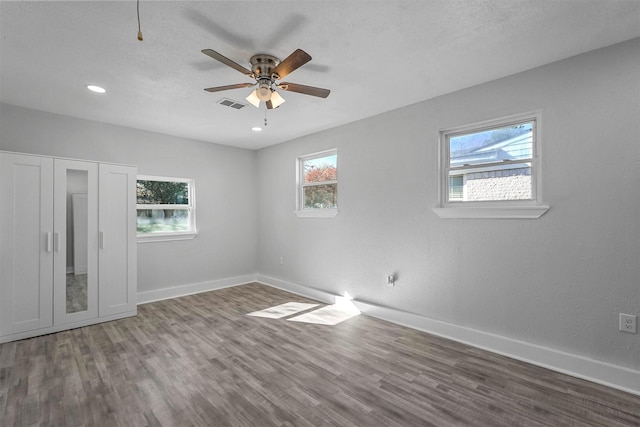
[(557, 282), (226, 195)]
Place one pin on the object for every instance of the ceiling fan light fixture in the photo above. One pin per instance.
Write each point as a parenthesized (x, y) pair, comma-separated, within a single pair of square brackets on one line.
[(263, 92), (253, 98), (276, 99)]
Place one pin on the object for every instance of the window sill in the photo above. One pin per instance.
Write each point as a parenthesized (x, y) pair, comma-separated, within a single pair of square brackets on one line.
[(165, 237), (316, 213), (492, 212)]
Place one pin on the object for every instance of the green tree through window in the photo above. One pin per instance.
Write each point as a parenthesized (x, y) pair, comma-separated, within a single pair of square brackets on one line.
[(318, 181), (320, 196), (164, 205)]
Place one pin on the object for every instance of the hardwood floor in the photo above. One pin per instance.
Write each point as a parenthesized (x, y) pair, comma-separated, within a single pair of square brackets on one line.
[(201, 361)]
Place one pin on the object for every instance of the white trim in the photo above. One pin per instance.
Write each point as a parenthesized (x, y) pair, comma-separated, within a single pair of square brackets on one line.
[(492, 212), (191, 208), (607, 374), (194, 288), (65, 326), (305, 291), (492, 123), (499, 209), (151, 207), (162, 178), (571, 364), (164, 237), (300, 185), (319, 154), (65, 158), (317, 213)]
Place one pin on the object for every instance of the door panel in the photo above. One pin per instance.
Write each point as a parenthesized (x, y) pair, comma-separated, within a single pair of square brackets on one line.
[(26, 243), (117, 244), (76, 251)]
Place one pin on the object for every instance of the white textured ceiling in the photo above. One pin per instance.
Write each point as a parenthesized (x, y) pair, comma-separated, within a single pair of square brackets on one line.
[(375, 56)]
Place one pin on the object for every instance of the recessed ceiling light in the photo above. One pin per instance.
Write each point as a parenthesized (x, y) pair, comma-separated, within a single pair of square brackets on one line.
[(256, 129), (96, 89)]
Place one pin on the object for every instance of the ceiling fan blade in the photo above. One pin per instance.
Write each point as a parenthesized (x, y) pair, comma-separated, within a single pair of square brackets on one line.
[(291, 63), (230, 35), (226, 61), (269, 105), (228, 87), (307, 90)]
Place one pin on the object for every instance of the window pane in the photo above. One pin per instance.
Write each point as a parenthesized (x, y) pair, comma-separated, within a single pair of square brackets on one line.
[(514, 142), (321, 169), (320, 196), (456, 187), (162, 220), (162, 192), (512, 182)]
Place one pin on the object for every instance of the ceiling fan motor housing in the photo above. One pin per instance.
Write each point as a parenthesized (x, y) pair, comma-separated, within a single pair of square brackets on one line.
[(262, 66)]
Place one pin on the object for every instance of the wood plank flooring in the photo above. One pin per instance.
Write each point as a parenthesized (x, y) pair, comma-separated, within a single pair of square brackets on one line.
[(201, 361)]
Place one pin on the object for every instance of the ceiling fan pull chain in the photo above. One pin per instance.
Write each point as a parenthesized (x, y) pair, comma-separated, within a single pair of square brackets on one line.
[(139, 31), (265, 116)]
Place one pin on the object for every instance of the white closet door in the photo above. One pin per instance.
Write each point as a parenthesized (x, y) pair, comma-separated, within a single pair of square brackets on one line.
[(26, 243), (75, 286), (117, 227)]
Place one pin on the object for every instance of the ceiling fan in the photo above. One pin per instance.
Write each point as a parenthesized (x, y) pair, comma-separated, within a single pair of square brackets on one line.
[(266, 70)]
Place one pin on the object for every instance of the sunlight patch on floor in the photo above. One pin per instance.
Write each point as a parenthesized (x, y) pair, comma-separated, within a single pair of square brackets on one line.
[(283, 310), (329, 315), (343, 309)]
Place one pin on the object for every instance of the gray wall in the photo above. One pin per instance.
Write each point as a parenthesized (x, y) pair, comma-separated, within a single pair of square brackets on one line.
[(558, 281), (225, 190)]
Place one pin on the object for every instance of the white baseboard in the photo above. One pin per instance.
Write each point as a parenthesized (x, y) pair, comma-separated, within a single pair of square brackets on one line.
[(304, 291), (195, 288), (571, 364), (65, 327)]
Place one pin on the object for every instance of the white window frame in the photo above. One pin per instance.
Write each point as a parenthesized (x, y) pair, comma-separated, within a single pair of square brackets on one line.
[(531, 209), (191, 207), (301, 185)]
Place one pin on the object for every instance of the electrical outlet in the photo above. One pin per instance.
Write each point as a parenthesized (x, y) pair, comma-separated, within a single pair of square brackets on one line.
[(391, 280), (628, 323)]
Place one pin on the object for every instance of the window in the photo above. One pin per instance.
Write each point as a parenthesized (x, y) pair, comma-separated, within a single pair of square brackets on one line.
[(318, 184), (165, 208), (491, 170), (456, 187)]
